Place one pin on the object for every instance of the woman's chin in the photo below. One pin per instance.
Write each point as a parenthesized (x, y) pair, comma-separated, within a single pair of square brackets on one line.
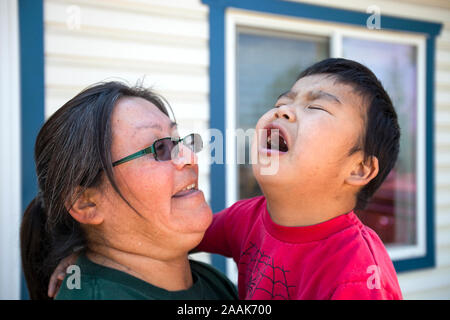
[(193, 213), (194, 230), (201, 218)]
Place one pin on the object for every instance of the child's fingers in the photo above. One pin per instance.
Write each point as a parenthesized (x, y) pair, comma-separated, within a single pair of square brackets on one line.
[(55, 283), (58, 275), (55, 280), (52, 286)]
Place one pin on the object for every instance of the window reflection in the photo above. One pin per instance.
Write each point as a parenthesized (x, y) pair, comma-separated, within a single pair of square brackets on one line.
[(267, 65), (392, 210)]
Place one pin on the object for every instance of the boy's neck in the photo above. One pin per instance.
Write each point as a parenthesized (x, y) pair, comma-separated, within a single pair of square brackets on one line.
[(304, 211)]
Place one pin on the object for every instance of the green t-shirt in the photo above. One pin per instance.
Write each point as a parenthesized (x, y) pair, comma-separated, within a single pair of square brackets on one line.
[(102, 283)]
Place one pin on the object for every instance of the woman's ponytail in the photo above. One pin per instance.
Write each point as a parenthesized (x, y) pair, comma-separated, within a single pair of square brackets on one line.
[(35, 244)]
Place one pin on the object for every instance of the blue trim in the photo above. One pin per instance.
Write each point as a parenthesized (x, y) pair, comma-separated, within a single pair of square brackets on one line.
[(328, 14), (31, 30), (429, 259), (217, 114), (309, 11)]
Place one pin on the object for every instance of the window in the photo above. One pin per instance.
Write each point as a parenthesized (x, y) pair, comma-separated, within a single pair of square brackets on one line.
[(265, 54), (267, 64), (394, 210), (404, 216)]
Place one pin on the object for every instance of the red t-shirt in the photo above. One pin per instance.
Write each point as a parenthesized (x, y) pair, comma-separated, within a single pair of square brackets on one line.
[(336, 259)]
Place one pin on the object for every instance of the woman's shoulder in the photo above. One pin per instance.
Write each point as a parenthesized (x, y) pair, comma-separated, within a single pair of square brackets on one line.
[(90, 281), (217, 285), (87, 280)]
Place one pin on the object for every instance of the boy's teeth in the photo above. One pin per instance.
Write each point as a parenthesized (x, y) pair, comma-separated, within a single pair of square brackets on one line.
[(277, 144)]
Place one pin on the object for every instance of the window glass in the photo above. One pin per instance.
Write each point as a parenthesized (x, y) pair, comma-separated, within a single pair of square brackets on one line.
[(267, 65), (392, 212)]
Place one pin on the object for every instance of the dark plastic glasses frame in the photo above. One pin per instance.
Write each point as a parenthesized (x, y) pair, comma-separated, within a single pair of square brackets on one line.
[(195, 144)]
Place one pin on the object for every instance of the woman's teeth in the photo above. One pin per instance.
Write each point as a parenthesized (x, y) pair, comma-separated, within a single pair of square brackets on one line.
[(189, 187)]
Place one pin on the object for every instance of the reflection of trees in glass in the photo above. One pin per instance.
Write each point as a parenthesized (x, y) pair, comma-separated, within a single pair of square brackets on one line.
[(397, 91), (392, 211), (401, 87), (282, 82)]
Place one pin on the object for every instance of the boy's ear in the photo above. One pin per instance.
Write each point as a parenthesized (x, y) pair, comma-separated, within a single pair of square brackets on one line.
[(84, 209), (363, 172)]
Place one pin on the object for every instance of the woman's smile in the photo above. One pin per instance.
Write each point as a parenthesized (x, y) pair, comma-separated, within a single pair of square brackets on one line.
[(189, 190)]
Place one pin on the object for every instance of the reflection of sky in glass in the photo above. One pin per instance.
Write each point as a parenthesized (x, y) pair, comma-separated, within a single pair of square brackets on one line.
[(395, 66), (267, 66)]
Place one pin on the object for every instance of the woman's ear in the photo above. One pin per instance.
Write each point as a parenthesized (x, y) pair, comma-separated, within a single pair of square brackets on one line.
[(84, 208), (363, 172)]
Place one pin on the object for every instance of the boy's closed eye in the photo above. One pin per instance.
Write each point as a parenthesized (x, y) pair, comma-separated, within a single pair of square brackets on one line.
[(318, 107), (311, 97), (309, 106)]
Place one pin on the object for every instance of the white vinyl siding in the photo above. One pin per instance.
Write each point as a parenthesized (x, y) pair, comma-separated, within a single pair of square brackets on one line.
[(10, 178)]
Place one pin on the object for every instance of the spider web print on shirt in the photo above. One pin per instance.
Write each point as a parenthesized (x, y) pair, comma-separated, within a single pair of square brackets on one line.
[(262, 274)]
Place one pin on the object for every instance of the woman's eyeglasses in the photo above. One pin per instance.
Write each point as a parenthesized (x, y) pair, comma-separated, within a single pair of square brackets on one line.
[(162, 149)]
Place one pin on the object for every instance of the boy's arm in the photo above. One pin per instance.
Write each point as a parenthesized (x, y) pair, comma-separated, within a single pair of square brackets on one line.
[(230, 228), (361, 290), (217, 235)]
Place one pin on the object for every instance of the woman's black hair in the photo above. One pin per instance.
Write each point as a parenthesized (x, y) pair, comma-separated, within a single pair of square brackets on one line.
[(381, 137), (72, 153)]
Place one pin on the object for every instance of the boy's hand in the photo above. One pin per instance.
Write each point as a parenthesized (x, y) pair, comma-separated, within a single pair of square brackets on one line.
[(60, 272)]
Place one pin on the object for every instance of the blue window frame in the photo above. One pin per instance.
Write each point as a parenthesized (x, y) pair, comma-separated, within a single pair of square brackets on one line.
[(217, 25), (31, 32)]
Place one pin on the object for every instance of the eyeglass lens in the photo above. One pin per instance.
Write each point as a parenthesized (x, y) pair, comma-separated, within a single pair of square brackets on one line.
[(165, 147)]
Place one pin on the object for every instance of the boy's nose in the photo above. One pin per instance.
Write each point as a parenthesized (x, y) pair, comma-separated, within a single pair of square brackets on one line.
[(286, 113)]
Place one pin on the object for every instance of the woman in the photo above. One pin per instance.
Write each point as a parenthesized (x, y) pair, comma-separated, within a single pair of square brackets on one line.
[(116, 180)]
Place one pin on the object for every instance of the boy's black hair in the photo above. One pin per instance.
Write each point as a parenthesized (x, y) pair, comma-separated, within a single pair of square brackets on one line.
[(382, 131)]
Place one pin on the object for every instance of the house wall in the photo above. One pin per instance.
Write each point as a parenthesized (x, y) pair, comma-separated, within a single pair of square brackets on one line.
[(10, 211), (167, 40)]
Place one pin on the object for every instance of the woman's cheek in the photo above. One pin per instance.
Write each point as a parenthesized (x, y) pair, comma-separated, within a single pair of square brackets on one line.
[(152, 188)]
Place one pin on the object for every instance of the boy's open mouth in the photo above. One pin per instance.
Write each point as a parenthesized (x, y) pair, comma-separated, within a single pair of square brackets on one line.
[(275, 140)]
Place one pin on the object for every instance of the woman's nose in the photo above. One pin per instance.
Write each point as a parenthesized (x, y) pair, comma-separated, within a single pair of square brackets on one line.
[(183, 155), (285, 112)]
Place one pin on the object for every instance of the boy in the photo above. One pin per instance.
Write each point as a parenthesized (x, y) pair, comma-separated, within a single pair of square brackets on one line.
[(334, 137)]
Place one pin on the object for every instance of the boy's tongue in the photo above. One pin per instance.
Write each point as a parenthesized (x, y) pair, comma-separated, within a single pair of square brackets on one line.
[(275, 141)]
